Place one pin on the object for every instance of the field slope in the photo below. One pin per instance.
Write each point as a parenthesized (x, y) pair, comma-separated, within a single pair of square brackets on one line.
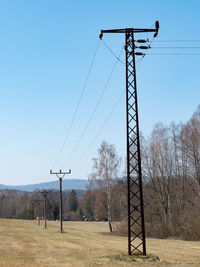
[(24, 243)]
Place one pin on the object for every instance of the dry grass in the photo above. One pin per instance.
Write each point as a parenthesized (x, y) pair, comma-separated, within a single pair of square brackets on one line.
[(24, 243)]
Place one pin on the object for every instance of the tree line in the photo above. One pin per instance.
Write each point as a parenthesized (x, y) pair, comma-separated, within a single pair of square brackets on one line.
[(171, 186), (171, 164)]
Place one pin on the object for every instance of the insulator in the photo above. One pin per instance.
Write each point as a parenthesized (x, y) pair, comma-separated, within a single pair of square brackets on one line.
[(101, 36), (155, 34), (143, 47), (157, 28), (139, 54), (157, 25), (142, 41)]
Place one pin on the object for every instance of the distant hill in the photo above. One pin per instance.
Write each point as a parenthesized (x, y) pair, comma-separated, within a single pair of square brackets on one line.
[(79, 192), (69, 184)]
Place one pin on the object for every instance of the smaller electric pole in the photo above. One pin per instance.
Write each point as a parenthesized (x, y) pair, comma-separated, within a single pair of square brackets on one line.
[(38, 204), (60, 176), (44, 193), (33, 209)]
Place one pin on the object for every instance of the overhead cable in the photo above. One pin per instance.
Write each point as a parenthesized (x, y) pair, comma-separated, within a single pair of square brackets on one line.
[(94, 110), (176, 47), (111, 51), (77, 107), (100, 129), (174, 54), (178, 41), (105, 122)]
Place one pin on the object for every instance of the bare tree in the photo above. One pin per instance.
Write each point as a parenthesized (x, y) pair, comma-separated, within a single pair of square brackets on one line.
[(105, 169), (192, 136), (158, 166)]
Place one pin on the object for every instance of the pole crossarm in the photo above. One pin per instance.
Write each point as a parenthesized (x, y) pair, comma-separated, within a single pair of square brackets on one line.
[(135, 205), (134, 30), (44, 192), (60, 172)]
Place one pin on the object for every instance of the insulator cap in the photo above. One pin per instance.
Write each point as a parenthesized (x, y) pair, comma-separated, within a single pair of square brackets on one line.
[(139, 54), (142, 41), (157, 25), (143, 47), (101, 36), (157, 28)]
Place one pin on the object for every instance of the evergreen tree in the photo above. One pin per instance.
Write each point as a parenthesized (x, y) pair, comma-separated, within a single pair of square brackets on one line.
[(73, 203), (80, 213), (27, 213), (55, 211), (88, 208)]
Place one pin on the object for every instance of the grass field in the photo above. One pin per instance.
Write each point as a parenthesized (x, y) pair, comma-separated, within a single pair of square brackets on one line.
[(24, 243)]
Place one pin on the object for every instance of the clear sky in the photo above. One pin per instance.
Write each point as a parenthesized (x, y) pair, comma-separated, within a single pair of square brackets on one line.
[(46, 48)]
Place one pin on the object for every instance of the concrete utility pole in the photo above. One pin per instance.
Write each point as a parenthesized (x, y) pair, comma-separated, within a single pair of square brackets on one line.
[(136, 228), (44, 193), (33, 209), (38, 204), (60, 176)]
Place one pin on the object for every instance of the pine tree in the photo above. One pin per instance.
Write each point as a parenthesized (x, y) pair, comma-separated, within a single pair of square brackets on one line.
[(88, 209), (27, 213), (55, 211), (73, 203)]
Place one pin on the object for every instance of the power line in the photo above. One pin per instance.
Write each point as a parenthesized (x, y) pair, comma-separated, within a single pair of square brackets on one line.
[(147, 33), (78, 105), (94, 110), (174, 54), (111, 51), (101, 128), (104, 124), (139, 61), (176, 47), (178, 41)]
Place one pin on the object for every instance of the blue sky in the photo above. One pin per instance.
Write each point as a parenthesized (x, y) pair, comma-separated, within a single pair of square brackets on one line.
[(46, 48)]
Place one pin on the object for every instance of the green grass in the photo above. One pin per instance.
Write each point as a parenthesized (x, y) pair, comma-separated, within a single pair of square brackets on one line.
[(24, 243)]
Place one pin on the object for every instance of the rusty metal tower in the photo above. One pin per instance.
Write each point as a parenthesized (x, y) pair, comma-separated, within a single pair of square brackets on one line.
[(136, 227)]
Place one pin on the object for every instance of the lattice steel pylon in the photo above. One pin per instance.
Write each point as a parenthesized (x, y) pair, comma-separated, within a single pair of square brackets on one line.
[(136, 227)]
